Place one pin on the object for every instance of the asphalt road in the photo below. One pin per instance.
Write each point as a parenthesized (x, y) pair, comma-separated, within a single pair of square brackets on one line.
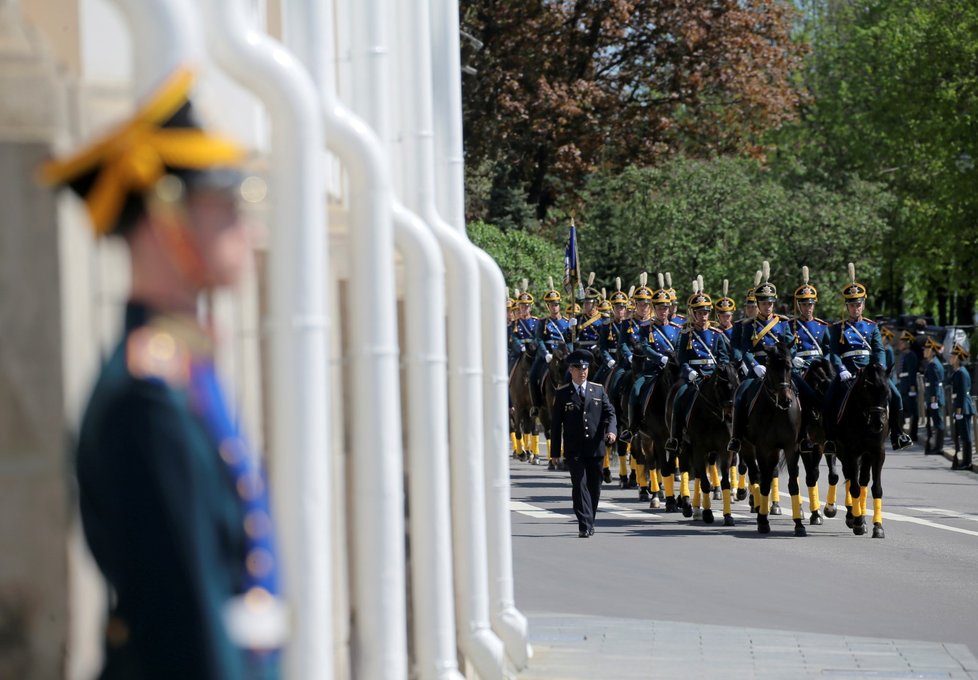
[(919, 583)]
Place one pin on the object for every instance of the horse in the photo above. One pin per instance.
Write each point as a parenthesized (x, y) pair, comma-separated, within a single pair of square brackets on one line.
[(819, 375), (653, 431), (773, 424), (521, 423), (708, 432), (860, 444), (554, 378)]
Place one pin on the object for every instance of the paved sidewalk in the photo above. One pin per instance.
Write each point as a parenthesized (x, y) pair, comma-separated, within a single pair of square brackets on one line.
[(574, 646)]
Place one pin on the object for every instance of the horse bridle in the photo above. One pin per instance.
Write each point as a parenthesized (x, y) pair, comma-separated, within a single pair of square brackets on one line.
[(772, 392)]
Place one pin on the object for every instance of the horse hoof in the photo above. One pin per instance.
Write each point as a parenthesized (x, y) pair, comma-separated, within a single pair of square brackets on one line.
[(878, 531), (859, 529), (551, 466), (607, 475), (850, 518), (687, 508), (816, 519), (741, 494), (829, 511), (655, 503), (671, 504), (775, 508), (697, 513), (763, 526), (800, 528), (728, 520), (708, 516), (643, 494), (623, 482), (716, 495)]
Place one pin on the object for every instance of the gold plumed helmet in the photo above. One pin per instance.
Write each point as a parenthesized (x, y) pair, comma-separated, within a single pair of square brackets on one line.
[(750, 291), (160, 151), (767, 290), (591, 293), (524, 297), (511, 302), (605, 305), (853, 290), (699, 299), (725, 304), (673, 298), (643, 292), (805, 291), (552, 295), (661, 296), (618, 297), (573, 309)]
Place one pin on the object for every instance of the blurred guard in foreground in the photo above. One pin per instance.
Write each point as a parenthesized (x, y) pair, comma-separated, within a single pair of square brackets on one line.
[(173, 500)]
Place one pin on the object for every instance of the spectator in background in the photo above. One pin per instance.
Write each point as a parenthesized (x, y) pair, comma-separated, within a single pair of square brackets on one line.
[(934, 396), (907, 380), (963, 408)]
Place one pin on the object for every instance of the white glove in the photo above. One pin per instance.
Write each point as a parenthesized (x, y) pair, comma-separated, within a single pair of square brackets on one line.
[(934, 405), (958, 416), (760, 370), (844, 374), (547, 357), (611, 363), (693, 376), (664, 360), (798, 362), (573, 321), (911, 394), (522, 347)]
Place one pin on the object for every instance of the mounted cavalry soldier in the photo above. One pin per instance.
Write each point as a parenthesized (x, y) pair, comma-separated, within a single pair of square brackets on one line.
[(552, 333), (614, 329), (964, 409), (811, 342), (855, 342), (742, 326), (654, 341), (934, 396), (523, 329), (674, 317), (907, 378), (590, 332), (724, 309), (701, 349), (757, 337)]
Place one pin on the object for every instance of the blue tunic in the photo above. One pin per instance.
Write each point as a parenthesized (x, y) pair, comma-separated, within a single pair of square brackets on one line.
[(760, 335), (855, 344), (553, 333), (701, 351), (961, 392), (811, 339), (934, 382)]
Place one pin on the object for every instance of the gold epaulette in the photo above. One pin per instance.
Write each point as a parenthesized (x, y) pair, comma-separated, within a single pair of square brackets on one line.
[(156, 353), (824, 323)]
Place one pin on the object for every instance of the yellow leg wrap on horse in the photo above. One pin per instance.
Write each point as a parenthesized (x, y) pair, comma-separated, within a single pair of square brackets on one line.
[(696, 492), (741, 481), (707, 501), (830, 496), (607, 457), (734, 479), (515, 442), (726, 501), (877, 511), (863, 499), (848, 495), (684, 485), (714, 475), (654, 481), (670, 483), (755, 493), (623, 465), (535, 446), (631, 461), (813, 503), (775, 495), (765, 505), (796, 507)]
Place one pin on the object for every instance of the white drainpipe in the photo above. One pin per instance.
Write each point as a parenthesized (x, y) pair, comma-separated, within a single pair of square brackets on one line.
[(298, 324), (166, 35), (479, 644), (424, 356), (507, 621)]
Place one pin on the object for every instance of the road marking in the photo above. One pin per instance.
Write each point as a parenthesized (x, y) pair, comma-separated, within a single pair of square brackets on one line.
[(534, 511), (605, 507), (951, 514)]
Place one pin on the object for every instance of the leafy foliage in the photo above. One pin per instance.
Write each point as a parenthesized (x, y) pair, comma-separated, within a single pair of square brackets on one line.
[(520, 254)]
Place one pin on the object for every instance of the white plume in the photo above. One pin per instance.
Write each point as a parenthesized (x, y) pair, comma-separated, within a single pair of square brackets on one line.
[(726, 287), (766, 270), (852, 272), (757, 278), (804, 275), (643, 278), (590, 278)]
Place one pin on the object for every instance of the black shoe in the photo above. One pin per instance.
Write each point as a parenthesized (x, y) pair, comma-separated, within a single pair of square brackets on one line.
[(902, 442), (583, 533), (606, 474), (590, 532)]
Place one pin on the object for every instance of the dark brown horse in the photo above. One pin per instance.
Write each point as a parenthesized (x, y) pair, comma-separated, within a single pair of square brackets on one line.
[(819, 375), (708, 433), (554, 378), (861, 439), (653, 431), (773, 423), (521, 424)]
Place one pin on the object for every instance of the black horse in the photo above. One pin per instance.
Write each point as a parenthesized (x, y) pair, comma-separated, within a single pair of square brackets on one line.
[(707, 435), (819, 375), (555, 377), (653, 428), (773, 424), (861, 438)]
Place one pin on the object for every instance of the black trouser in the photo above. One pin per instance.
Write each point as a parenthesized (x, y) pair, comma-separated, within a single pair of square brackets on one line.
[(586, 489), (965, 439)]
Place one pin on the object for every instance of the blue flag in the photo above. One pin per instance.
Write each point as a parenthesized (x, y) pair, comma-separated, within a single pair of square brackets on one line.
[(572, 274)]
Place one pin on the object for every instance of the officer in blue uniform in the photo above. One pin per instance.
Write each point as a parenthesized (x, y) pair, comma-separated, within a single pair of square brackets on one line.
[(907, 379), (963, 407), (724, 309), (735, 335), (655, 341), (552, 332), (701, 349), (173, 503), (811, 342), (898, 440), (757, 337), (523, 329), (582, 423), (934, 396)]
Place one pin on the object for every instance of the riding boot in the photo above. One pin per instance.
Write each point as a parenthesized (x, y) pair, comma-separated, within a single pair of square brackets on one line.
[(898, 438), (737, 427)]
